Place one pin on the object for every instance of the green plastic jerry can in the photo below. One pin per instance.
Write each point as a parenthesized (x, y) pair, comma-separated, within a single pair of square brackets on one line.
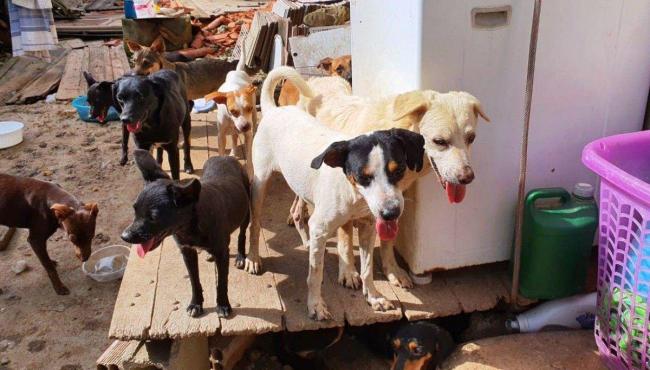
[(558, 235)]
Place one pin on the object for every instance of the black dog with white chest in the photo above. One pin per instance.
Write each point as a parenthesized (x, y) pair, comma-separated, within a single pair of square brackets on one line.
[(199, 214), (153, 108)]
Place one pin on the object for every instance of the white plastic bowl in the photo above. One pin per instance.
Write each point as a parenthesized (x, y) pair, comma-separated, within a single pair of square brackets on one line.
[(107, 264), (11, 133)]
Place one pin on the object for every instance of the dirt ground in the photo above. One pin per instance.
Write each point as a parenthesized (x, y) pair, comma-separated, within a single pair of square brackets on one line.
[(44, 330)]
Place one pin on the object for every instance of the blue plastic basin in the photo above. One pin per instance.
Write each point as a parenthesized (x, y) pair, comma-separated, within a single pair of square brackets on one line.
[(83, 109)]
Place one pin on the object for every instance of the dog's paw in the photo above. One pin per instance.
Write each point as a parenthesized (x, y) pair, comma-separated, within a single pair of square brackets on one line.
[(380, 303), (398, 277), (194, 310), (123, 160), (350, 278), (240, 261), (189, 168), (62, 290), (290, 220), (253, 265), (224, 311), (318, 311)]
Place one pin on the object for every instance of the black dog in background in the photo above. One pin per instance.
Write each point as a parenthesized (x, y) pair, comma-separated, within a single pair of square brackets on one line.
[(199, 214), (153, 108)]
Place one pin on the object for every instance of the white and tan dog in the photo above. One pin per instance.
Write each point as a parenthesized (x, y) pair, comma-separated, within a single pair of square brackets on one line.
[(448, 122), (360, 182), (236, 111)]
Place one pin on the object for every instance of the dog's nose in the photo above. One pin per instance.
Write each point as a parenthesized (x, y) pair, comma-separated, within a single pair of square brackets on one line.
[(245, 127), (127, 236), (390, 213), (466, 176)]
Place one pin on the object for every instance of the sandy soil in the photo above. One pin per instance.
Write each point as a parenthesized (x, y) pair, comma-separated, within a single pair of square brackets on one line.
[(50, 331)]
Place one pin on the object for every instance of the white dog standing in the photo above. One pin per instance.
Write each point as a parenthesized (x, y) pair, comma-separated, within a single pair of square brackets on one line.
[(359, 183)]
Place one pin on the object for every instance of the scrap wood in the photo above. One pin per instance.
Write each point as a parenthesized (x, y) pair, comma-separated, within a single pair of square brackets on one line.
[(197, 53), (42, 86), (6, 233)]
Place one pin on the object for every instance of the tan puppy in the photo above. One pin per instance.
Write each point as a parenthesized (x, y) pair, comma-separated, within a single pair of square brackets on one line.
[(446, 120), (341, 67), (236, 112)]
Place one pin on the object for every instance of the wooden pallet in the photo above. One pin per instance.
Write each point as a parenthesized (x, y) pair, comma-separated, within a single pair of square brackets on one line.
[(105, 63), (155, 290)]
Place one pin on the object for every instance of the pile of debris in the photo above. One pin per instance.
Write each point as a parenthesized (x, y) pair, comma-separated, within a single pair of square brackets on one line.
[(223, 31)]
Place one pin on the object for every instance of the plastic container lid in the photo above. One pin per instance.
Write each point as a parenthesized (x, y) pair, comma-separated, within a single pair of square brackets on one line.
[(583, 190)]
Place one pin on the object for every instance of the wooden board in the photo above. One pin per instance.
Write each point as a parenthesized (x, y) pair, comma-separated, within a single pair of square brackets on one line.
[(170, 318), (135, 300), (70, 82), (308, 51), (262, 303), (43, 85), (22, 72), (256, 313), (289, 262)]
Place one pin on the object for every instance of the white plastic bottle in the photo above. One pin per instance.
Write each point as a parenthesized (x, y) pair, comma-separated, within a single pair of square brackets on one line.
[(573, 312)]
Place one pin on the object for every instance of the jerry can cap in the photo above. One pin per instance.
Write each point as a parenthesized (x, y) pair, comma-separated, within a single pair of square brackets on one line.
[(583, 190)]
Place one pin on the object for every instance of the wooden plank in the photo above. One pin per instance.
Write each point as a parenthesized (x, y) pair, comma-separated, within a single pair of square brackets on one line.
[(6, 234), (85, 62), (7, 66), (252, 313), (477, 288), (96, 63), (45, 84), (108, 65), (428, 301), (135, 300), (21, 73), (69, 86), (289, 262), (357, 311), (170, 318), (73, 44), (118, 58)]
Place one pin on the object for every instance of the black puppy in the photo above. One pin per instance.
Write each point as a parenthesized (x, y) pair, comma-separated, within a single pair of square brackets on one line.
[(420, 346), (199, 214), (153, 108), (99, 97)]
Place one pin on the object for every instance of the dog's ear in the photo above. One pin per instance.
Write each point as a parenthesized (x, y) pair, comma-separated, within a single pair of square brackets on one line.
[(325, 64), (218, 97), (478, 110), (133, 46), (90, 80), (334, 156), (184, 194), (92, 208), (413, 144), (61, 211), (413, 102), (158, 45), (149, 168)]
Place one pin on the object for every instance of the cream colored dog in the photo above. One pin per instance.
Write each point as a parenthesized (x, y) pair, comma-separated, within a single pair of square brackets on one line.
[(446, 120)]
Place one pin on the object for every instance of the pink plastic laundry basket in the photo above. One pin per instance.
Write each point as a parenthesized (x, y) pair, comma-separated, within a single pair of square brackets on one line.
[(623, 164)]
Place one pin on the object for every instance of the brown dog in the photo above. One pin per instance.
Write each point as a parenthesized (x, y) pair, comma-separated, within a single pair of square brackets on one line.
[(42, 207), (201, 76), (341, 67)]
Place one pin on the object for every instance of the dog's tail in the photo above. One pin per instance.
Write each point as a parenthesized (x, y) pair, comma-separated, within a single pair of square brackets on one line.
[(274, 77), (241, 63)]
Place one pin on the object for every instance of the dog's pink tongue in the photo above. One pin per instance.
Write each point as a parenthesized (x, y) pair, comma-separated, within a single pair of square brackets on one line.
[(142, 249), (387, 230), (455, 193), (133, 127)]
